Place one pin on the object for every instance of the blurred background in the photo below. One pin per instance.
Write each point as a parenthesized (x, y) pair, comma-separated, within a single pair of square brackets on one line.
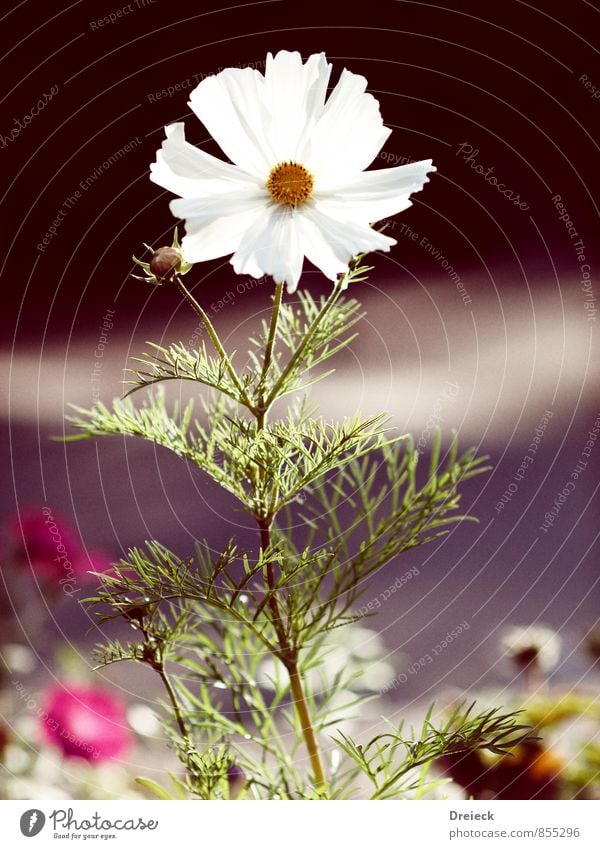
[(483, 319)]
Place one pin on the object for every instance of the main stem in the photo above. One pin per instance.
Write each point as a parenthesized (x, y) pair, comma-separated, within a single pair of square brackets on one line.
[(288, 654), (289, 657), (337, 289)]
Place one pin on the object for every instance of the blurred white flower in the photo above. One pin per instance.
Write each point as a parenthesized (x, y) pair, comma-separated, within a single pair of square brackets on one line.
[(356, 650), (16, 759), (143, 720), (297, 187), (534, 644), (18, 658)]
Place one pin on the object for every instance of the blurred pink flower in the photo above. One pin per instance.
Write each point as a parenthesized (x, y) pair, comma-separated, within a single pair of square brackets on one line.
[(85, 722), (47, 542)]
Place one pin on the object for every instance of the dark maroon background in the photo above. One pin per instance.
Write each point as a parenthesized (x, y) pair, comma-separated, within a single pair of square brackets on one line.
[(502, 77)]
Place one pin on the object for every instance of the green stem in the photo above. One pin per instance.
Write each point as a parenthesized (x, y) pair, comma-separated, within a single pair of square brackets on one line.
[(287, 653), (308, 731), (265, 544), (157, 663), (261, 408), (289, 657), (174, 702), (337, 289), (272, 333), (215, 340)]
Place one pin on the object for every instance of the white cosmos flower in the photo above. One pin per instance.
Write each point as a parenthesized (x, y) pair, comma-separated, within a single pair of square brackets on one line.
[(296, 186)]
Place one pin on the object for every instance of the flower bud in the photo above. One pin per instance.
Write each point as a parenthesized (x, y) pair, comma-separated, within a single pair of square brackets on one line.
[(165, 263)]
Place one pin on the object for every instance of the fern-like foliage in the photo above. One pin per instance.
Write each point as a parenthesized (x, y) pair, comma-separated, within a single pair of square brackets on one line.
[(378, 506), (358, 524), (265, 469), (332, 335), (150, 576), (390, 759), (178, 362)]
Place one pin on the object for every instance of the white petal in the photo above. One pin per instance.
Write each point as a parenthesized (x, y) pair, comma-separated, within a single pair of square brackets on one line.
[(218, 206), (350, 133), (188, 171), (330, 244), (232, 107), (212, 239), (296, 97), (215, 226), (318, 250), (373, 195), (272, 246)]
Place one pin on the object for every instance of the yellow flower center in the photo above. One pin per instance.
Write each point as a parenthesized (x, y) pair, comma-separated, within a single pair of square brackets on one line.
[(290, 183)]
